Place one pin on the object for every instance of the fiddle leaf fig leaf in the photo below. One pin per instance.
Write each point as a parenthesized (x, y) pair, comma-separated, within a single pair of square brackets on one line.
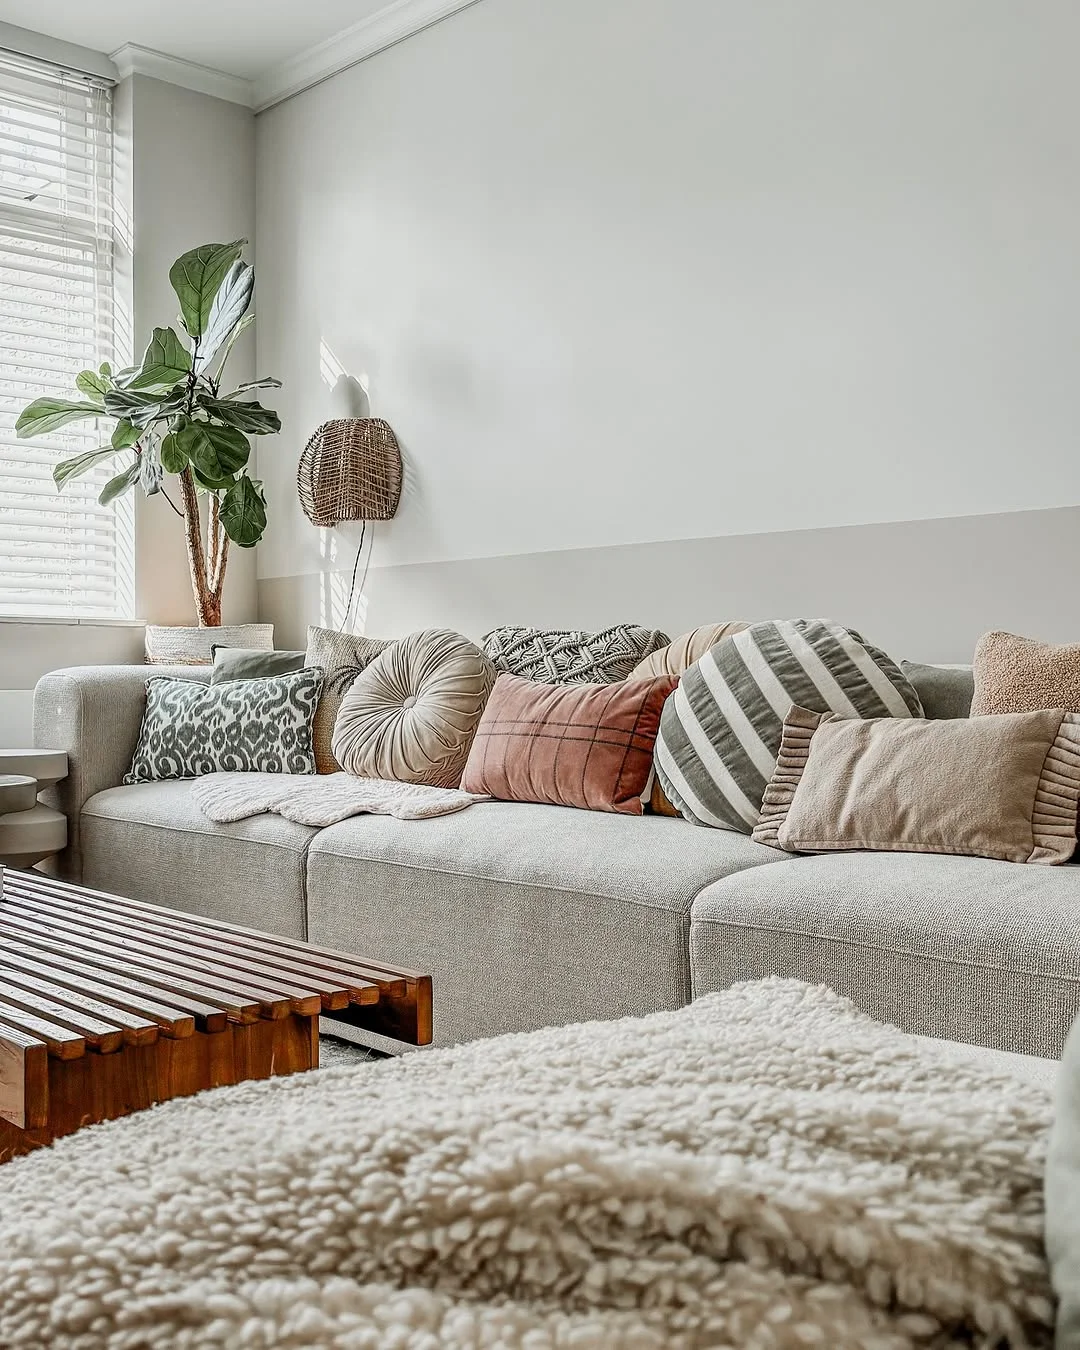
[(173, 459), (165, 363), (216, 452), (230, 343), (268, 383), (50, 414), (73, 468), (125, 433), (250, 418), (93, 385), (150, 470), (196, 278), (243, 512), (229, 307), (141, 407), (116, 487)]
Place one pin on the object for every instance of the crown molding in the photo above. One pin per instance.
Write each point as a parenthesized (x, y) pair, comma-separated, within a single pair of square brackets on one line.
[(386, 27), (134, 60)]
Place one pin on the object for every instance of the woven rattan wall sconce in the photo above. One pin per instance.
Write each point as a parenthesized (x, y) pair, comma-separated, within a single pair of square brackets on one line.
[(350, 470)]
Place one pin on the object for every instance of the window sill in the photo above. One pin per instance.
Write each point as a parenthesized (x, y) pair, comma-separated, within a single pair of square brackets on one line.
[(34, 620)]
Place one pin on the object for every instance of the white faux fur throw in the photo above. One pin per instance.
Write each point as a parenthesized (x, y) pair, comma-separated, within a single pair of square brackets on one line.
[(322, 799), (767, 1168)]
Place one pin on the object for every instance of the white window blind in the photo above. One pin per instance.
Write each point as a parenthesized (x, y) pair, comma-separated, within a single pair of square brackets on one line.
[(61, 554)]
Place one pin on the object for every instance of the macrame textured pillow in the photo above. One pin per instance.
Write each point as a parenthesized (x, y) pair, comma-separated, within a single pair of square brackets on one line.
[(341, 657), (720, 731), (556, 656), (242, 726), (411, 716)]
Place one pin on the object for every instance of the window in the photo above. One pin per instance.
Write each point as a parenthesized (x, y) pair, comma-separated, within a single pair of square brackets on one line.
[(61, 554)]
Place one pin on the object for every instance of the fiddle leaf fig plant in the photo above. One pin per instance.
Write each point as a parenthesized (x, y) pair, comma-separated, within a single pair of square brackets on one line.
[(173, 418)]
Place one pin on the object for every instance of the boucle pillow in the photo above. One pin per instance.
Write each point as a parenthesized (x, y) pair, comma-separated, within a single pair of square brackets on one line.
[(1016, 674), (584, 745), (558, 656), (721, 729), (411, 715), (341, 657), (685, 651), (1003, 787), (244, 726)]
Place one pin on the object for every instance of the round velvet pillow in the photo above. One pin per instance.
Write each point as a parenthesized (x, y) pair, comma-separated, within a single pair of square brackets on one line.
[(411, 715)]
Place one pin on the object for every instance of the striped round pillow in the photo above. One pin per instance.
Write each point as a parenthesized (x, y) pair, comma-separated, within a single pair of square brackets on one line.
[(720, 731)]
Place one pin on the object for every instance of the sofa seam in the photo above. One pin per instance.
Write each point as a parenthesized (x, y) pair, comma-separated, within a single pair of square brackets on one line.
[(882, 947), (511, 881)]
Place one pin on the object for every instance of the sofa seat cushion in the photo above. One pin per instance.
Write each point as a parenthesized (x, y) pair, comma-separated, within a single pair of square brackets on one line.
[(525, 915), (151, 842), (966, 949)]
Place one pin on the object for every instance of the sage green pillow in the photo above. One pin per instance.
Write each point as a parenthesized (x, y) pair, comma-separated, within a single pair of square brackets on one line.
[(946, 691), (247, 663)]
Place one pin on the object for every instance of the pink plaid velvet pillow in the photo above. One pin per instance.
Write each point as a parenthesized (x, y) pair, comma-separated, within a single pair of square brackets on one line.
[(585, 745)]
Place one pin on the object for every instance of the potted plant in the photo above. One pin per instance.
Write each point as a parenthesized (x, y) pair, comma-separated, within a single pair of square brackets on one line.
[(172, 418)]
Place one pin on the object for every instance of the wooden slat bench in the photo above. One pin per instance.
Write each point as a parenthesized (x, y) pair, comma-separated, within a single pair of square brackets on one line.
[(108, 1005)]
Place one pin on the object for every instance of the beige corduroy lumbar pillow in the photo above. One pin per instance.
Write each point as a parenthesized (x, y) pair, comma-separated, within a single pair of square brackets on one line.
[(1016, 674), (991, 787), (681, 654), (411, 715)]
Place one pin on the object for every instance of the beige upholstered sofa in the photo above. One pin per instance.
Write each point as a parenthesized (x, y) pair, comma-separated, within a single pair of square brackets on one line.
[(531, 915)]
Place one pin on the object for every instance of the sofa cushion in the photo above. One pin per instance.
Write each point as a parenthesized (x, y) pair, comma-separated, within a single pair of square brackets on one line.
[(151, 842), (525, 915), (961, 948)]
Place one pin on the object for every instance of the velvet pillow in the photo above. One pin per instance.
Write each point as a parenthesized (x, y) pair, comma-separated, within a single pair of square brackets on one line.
[(584, 745), (1002, 787), (252, 663), (1017, 674)]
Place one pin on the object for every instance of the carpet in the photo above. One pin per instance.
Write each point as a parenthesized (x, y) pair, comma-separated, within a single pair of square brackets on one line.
[(767, 1168)]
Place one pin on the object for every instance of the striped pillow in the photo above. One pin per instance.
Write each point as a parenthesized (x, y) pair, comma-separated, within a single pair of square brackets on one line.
[(720, 731)]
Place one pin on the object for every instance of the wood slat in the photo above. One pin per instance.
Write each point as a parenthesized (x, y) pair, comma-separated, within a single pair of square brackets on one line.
[(105, 1037), (245, 978), (131, 952), (273, 973), (34, 934), (99, 994), (24, 1079), (60, 1041), (343, 964), (136, 1030), (120, 990)]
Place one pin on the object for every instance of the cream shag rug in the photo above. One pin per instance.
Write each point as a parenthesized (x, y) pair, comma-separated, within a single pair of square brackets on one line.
[(767, 1168)]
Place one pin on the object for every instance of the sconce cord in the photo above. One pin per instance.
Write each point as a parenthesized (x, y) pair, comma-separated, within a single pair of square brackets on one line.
[(353, 593)]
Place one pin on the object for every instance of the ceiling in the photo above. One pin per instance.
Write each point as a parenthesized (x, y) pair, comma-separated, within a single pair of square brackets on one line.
[(240, 37)]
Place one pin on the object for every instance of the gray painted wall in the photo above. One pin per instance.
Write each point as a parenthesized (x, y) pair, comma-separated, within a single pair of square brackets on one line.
[(661, 299)]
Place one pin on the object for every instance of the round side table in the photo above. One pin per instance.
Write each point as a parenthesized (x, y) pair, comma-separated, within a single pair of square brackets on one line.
[(30, 832)]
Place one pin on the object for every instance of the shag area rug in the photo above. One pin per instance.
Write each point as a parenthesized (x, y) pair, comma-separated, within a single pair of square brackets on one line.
[(767, 1168)]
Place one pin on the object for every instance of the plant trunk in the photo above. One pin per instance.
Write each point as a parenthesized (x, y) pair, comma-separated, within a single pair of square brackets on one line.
[(206, 562)]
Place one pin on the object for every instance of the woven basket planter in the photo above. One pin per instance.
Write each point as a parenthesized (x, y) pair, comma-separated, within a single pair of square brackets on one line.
[(180, 646), (350, 470)]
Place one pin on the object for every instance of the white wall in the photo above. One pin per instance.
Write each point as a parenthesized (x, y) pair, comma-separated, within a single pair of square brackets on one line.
[(620, 271)]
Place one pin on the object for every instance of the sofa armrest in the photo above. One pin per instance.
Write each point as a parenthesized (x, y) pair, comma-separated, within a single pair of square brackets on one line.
[(95, 714)]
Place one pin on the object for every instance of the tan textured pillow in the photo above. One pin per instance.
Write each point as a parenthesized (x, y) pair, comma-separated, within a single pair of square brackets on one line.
[(342, 656), (681, 654), (991, 787), (1015, 674), (412, 714)]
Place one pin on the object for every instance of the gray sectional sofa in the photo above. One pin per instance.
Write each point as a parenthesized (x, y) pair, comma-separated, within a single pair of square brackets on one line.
[(532, 915)]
